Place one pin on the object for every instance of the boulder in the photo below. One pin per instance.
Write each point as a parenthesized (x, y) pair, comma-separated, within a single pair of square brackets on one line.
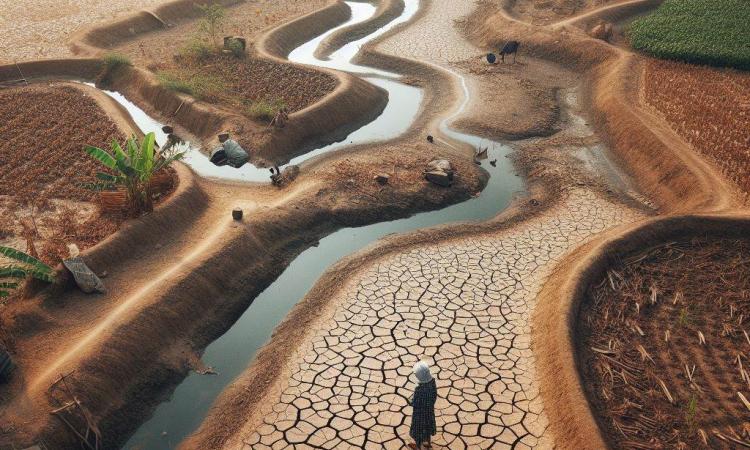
[(602, 31), (440, 172), (440, 165)]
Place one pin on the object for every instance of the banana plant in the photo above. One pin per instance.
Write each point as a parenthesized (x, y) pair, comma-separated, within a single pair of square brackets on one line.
[(21, 266), (132, 169)]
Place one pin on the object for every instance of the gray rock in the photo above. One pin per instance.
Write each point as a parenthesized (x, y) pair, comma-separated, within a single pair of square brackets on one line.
[(439, 165)]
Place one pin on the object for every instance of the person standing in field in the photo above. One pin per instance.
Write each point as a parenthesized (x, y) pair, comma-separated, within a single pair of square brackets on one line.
[(423, 425)]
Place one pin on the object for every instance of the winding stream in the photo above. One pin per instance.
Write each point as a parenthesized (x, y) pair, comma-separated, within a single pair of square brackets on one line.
[(230, 355)]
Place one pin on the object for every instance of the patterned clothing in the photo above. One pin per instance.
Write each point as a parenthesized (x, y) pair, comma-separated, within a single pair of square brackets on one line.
[(423, 418)]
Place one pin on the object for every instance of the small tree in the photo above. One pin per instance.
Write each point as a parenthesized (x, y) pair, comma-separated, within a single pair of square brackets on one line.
[(132, 170), (21, 267), (212, 22)]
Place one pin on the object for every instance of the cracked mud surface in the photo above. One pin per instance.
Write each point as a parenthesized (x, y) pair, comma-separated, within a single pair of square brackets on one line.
[(463, 305)]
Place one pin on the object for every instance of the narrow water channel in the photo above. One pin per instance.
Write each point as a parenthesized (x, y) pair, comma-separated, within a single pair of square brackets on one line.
[(232, 353)]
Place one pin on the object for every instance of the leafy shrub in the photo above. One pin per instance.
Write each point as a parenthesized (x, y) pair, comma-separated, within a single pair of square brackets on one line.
[(264, 109), (197, 49), (113, 61), (712, 32), (133, 168), (21, 266), (236, 47), (212, 22)]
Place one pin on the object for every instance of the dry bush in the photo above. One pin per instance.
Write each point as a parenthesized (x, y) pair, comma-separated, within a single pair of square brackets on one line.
[(710, 108)]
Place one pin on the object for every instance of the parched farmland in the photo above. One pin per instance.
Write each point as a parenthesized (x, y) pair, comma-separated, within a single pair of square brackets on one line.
[(664, 347), (43, 130), (710, 108)]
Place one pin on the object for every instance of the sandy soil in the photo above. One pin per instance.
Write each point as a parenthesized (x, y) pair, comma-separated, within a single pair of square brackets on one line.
[(653, 382), (544, 12), (248, 19), (38, 29)]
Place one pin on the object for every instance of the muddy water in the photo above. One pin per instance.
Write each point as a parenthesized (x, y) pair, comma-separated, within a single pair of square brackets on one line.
[(230, 355)]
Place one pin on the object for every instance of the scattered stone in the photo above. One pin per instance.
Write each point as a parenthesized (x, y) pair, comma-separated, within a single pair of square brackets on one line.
[(382, 178), (237, 214), (430, 139)]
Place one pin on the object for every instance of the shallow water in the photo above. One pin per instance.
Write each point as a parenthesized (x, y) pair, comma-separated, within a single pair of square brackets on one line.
[(231, 353)]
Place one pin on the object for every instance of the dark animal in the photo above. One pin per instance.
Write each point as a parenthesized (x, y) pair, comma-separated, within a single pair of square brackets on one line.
[(493, 163), (491, 58), (430, 139), (510, 48)]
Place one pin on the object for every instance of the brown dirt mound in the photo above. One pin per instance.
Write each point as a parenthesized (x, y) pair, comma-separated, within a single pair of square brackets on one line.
[(710, 108), (664, 348), (548, 11)]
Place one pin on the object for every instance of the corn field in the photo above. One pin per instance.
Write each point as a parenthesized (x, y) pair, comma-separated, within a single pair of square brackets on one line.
[(713, 32)]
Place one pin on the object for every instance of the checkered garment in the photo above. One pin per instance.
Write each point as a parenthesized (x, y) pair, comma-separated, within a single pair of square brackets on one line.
[(423, 419)]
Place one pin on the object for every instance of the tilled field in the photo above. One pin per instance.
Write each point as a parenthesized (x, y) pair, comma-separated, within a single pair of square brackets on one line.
[(687, 95), (664, 347), (43, 131), (243, 82)]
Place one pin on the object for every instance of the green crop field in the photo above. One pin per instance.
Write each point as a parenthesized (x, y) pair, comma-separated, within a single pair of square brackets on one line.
[(712, 32)]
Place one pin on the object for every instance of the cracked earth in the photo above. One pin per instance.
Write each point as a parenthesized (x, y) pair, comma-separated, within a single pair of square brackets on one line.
[(465, 306)]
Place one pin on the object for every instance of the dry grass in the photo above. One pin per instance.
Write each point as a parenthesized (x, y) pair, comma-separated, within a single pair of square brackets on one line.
[(710, 108), (663, 347)]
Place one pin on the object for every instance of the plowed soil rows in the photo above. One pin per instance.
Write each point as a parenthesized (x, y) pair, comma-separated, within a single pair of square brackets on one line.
[(43, 131), (710, 108), (664, 347), (241, 82)]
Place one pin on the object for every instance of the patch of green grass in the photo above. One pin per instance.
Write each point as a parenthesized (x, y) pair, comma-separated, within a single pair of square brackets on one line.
[(264, 109), (711, 32), (197, 49), (113, 61), (204, 87)]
